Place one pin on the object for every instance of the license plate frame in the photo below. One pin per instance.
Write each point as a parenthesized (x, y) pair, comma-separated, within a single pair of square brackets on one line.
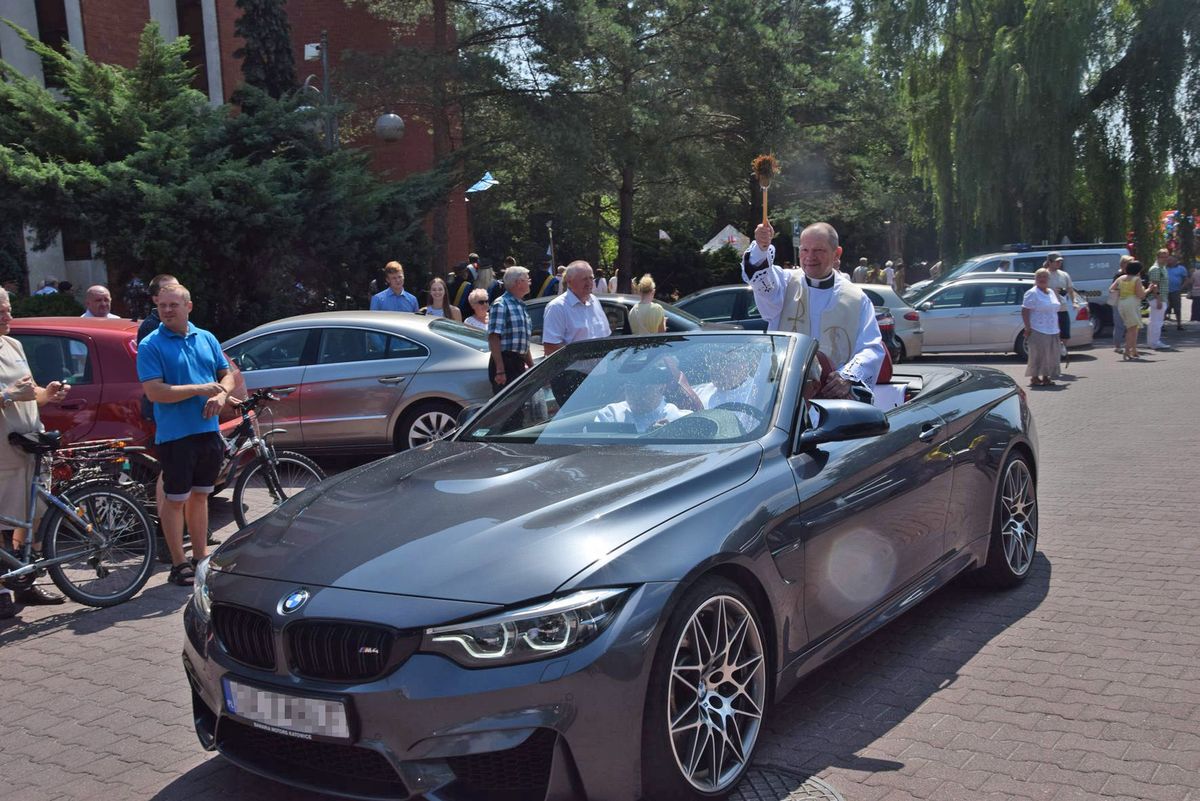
[(305, 716)]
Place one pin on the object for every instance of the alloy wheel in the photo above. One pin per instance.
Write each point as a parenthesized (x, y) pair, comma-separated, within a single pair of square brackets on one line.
[(1019, 517), (430, 426), (716, 694)]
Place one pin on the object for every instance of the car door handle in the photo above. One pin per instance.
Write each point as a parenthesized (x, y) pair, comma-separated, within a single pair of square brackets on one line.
[(73, 404), (962, 315), (929, 431), (393, 379), (281, 391)]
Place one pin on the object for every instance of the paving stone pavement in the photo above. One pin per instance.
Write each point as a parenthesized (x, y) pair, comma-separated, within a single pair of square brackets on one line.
[(1083, 683)]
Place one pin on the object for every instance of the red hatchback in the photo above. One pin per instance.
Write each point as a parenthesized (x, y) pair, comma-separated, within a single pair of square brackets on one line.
[(98, 358)]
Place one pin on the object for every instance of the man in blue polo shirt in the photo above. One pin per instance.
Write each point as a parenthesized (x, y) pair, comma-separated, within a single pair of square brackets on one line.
[(394, 298), (186, 377)]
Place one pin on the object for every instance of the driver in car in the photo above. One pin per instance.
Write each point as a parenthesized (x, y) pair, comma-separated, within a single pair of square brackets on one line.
[(645, 405), (733, 384)]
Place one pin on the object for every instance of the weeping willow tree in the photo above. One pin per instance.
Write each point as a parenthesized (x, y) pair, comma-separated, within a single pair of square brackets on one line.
[(1028, 117)]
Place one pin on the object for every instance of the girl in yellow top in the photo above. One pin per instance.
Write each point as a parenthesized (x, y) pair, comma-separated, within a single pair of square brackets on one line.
[(647, 317)]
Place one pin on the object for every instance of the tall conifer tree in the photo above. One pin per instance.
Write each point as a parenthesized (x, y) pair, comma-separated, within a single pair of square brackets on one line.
[(267, 55)]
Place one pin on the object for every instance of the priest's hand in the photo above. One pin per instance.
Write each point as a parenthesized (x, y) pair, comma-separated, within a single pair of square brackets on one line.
[(763, 235), (835, 387)]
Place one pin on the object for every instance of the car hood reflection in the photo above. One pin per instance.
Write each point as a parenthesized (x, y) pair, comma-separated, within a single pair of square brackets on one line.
[(481, 522)]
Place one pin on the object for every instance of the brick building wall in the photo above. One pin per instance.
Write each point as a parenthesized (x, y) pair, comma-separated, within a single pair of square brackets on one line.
[(111, 29), (354, 29)]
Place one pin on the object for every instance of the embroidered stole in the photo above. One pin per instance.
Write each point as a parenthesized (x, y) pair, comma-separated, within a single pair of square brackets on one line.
[(838, 323)]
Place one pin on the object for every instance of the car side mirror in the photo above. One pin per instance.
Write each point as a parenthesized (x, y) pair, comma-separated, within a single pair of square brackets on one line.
[(466, 414), (926, 306), (840, 420)]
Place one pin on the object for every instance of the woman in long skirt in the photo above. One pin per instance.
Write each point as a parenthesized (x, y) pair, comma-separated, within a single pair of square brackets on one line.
[(1039, 311)]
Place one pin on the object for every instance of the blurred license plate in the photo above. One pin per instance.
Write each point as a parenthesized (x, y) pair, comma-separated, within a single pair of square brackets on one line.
[(293, 715)]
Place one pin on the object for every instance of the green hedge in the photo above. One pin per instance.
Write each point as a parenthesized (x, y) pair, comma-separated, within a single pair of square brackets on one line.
[(55, 305)]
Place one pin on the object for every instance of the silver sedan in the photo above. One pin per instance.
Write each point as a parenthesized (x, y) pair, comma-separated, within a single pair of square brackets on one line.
[(364, 381)]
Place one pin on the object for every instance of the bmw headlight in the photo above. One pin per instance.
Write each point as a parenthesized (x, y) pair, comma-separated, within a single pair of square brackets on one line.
[(536, 632), (200, 595)]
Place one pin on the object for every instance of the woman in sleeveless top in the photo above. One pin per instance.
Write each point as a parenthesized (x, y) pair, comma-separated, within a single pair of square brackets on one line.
[(439, 302), (647, 317), (1130, 294)]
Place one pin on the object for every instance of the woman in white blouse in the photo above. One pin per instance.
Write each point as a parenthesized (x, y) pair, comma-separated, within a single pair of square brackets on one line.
[(1039, 311)]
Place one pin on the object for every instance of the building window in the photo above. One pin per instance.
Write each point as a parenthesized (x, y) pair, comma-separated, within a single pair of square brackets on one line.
[(190, 16), (52, 31), (75, 247)]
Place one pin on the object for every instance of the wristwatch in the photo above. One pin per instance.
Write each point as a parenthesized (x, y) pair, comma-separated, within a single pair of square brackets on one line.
[(5, 400)]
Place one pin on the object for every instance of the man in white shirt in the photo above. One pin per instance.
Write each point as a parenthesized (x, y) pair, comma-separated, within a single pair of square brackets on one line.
[(889, 273), (1060, 284), (818, 301), (98, 302), (860, 272), (645, 404), (575, 314), (734, 382)]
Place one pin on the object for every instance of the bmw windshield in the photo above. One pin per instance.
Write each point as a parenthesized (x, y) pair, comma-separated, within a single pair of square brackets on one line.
[(652, 390)]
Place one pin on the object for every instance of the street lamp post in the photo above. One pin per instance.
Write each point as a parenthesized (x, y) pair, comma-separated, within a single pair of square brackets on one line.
[(389, 127)]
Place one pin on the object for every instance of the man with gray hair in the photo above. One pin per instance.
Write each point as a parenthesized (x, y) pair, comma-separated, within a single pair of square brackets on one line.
[(821, 302), (98, 302), (575, 314), (509, 329)]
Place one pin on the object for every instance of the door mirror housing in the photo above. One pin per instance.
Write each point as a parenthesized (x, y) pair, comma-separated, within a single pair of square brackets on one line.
[(841, 420), (926, 306), (467, 412)]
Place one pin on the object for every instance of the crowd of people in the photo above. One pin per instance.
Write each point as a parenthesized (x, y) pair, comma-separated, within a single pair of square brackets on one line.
[(187, 380)]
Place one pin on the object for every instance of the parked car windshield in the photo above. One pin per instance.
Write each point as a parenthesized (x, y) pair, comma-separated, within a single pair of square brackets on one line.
[(457, 332), (681, 390)]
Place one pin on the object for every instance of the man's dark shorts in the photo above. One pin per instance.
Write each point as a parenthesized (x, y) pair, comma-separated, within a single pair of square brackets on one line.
[(191, 464), (1064, 325)]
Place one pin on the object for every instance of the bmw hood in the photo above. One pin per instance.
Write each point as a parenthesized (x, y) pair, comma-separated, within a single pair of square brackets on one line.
[(480, 522)]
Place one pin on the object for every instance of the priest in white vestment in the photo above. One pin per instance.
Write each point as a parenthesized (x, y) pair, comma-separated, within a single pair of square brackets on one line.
[(821, 302)]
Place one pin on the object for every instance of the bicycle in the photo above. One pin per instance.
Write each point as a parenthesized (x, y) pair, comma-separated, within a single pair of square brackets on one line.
[(262, 477), (97, 541), (265, 478)]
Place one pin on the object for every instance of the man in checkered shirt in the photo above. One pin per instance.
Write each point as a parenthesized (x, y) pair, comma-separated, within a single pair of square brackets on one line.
[(508, 330)]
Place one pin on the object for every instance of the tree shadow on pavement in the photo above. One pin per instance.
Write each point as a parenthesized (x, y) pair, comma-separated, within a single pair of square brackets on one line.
[(218, 778), (162, 600), (848, 704)]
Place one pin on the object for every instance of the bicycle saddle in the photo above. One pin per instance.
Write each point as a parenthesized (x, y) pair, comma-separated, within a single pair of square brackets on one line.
[(37, 442)]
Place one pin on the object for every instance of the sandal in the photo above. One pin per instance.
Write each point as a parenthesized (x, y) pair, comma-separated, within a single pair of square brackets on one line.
[(182, 574)]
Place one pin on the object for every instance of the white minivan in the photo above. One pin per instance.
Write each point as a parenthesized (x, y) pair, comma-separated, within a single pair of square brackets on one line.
[(1091, 267)]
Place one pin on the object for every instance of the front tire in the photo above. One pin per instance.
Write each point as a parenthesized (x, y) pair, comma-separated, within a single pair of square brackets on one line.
[(708, 692), (260, 490), (107, 575), (1013, 541)]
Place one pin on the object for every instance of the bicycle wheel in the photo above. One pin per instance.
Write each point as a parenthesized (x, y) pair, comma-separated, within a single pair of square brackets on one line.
[(260, 488), (107, 574)]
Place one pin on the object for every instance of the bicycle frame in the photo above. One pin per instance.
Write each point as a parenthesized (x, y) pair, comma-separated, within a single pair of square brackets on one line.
[(24, 565), (247, 437)]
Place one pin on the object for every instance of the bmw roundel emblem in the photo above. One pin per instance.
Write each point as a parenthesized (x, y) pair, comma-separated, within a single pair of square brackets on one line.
[(293, 601)]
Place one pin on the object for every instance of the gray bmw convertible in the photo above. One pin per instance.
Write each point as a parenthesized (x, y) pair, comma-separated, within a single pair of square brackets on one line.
[(599, 585)]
